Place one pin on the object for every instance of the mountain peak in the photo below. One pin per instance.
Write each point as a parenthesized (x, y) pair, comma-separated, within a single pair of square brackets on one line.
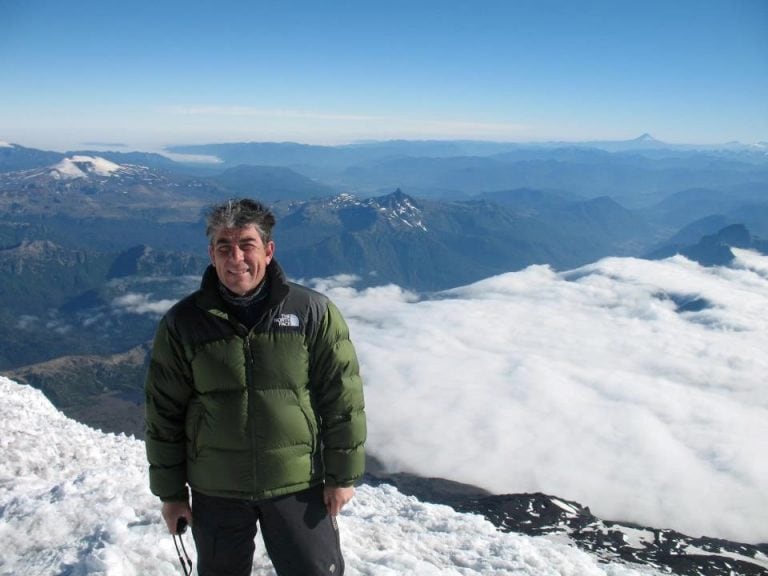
[(34, 249), (646, 138), (400, 208), (80, 166), (398, 197)]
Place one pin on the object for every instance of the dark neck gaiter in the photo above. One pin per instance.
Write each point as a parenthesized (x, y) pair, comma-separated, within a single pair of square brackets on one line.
[(247, 309)]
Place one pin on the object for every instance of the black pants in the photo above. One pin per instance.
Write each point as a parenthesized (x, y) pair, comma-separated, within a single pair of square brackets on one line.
[(301, 538)]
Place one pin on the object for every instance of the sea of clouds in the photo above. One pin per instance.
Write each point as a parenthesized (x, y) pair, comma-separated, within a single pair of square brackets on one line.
[(635, 387)]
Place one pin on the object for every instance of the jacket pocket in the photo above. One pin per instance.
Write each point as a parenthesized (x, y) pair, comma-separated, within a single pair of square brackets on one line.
[(314, 436), (195, 420)]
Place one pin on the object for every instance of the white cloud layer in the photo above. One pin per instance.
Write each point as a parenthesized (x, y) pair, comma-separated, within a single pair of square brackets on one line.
[(309, 125), (134, 303), (595, 385)]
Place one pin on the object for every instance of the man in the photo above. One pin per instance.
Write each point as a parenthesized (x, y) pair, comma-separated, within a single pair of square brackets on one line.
[(254, 401)]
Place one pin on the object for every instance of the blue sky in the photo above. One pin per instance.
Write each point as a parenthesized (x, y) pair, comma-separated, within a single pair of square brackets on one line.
[(149, 74)]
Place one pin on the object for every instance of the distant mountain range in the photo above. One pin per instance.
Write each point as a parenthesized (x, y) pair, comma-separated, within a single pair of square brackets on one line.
[(428, 244), (647, 191), (636, 172), (82, 233), (546, 203)]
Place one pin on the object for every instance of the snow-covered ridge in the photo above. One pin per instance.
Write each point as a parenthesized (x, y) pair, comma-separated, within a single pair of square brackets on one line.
[(539, 514), (342, 200), (4, 144), (403, 210), (75, 501), (398, 208)]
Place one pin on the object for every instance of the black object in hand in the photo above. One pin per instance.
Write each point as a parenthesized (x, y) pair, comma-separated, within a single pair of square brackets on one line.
[(186, 563), (181, 525)]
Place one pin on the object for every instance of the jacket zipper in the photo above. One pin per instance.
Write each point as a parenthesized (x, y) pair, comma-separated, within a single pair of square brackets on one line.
[(249, 389)]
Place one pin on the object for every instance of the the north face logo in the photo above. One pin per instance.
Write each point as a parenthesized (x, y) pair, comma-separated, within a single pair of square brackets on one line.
[(287, 321)]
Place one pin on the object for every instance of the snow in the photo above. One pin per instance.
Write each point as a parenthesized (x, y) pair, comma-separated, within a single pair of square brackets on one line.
[(637, 538), (75, 501), (80, 166), (567, 507), (403, 212), (4, 144), (344, 198), (760, 559)]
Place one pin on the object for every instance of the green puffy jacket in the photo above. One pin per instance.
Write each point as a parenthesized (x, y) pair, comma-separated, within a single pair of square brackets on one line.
[(253, 414)]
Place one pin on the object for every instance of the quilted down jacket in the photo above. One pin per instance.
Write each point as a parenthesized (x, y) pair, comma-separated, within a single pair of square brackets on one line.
[(253, 413)]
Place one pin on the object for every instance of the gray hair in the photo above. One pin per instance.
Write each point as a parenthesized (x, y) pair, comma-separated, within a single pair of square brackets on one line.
[(239, 213)]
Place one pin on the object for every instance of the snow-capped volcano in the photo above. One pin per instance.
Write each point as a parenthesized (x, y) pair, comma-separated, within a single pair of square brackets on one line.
[(88, 184), (83, 166)]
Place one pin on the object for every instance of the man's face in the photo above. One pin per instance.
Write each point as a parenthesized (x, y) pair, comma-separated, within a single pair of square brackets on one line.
[(240, 258)]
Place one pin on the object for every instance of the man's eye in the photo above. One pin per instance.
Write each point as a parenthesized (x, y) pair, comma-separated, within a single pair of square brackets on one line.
[(224, 249)]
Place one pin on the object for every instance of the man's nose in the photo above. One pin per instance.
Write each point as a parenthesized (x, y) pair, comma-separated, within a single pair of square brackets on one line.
[(236, 253)]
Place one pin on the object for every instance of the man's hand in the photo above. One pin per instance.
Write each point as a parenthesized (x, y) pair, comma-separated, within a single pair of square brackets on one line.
[(172, 511), (335, 497)]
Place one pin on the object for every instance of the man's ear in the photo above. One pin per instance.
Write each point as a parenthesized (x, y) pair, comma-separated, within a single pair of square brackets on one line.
[(210, 253), (270, 250)]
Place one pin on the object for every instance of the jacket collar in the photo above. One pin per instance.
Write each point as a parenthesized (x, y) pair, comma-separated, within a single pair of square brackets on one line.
[(209, 298)]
